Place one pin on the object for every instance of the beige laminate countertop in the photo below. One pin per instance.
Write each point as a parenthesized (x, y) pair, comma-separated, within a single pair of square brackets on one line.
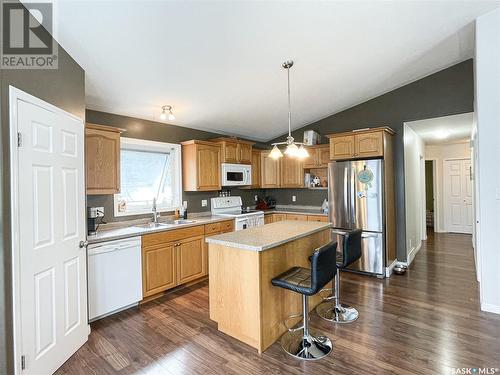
[(132, 230), (269, 235)]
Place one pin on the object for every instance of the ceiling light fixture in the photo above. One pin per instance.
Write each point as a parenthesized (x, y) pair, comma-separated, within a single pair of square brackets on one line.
[(293, 149), (166, 111)]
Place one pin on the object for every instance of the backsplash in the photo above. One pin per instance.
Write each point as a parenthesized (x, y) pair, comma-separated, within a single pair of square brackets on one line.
[(193, 198)]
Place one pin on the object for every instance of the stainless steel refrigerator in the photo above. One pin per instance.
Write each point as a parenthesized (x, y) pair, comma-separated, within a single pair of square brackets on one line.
[(356, 200)]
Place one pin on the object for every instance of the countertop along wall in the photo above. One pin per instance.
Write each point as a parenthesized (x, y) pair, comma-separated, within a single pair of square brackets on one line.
[(161, 132), (65, 88), (447, 92)]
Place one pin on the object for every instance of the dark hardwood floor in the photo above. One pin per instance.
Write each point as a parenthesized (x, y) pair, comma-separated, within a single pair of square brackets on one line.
[(427, 321)]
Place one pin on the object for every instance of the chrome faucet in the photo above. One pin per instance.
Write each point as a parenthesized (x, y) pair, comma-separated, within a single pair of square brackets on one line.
[(156, 214)]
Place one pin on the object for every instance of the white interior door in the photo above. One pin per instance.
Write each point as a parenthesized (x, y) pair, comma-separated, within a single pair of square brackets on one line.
[(53, 320), (457, 187)]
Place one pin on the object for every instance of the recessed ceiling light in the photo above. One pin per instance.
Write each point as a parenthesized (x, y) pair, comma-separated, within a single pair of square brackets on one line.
[(441, 134), (166, 111)]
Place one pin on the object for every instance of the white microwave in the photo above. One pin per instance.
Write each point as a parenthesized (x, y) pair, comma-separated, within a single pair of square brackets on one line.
[(236, 174)]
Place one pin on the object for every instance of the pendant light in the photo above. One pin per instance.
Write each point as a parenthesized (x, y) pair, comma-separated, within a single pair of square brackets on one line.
[(293, 149)]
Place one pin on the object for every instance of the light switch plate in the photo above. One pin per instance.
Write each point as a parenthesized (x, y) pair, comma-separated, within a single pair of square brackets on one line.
[(204, 203), (294, 198), (256, 198)]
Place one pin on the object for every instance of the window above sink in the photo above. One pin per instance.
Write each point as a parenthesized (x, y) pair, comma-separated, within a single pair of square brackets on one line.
[(148, 170)]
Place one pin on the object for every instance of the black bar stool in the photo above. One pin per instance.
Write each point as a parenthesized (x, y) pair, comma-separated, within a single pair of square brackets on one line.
[(336, 311), (306, 344)]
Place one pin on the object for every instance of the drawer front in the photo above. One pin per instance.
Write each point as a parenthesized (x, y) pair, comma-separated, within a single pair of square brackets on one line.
[(296, 217), (227, 226), (172, 235), (212, 228), (317, 218), (278, 217)]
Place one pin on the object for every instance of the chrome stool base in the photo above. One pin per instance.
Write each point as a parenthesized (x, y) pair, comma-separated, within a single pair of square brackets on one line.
[(338, 314), (307, 347)]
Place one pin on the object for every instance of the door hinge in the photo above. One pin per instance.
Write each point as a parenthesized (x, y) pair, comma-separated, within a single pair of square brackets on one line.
[(19, 139), (23, 362)]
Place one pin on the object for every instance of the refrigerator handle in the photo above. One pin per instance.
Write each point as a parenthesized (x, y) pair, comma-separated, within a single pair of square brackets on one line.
[(352, 196), (347, 197)]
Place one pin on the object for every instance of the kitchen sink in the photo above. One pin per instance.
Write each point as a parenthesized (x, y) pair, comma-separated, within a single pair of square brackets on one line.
[(183, 221), (165, 224), (153, 225)]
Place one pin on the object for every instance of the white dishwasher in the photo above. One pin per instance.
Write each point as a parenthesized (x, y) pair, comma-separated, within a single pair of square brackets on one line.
[(114, 276)]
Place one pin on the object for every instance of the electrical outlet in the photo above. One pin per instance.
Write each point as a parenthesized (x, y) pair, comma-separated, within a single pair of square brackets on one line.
[(100, 211), (95, 212), (294, 198), (204, 203), (256, 198)]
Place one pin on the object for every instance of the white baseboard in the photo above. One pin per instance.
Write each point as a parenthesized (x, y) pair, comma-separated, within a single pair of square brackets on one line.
[(490, 308), (388, 270), (413, 253)]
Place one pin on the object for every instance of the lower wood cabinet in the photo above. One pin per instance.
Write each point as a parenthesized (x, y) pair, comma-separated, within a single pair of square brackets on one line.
[(158, 269), (273, 218), (191, 259), (176, 257)]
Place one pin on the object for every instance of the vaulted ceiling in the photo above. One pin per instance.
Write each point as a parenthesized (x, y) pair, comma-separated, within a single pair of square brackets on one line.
[(219, 63)]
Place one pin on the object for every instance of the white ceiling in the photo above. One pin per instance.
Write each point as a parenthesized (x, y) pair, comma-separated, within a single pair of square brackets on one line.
[(444, 129), (219, 63)]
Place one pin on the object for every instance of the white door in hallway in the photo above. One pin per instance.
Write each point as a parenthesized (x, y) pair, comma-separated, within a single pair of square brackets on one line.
[(457, 188), (51, 265)]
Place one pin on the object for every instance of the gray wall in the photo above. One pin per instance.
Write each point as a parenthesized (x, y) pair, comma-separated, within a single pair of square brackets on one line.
[(65, 88), (448, 92), (155, 131)]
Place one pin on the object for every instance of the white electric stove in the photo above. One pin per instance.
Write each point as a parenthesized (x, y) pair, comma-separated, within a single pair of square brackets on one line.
[(231, 207)]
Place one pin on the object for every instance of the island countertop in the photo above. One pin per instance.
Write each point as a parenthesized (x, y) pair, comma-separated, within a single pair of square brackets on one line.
[(269, 235)]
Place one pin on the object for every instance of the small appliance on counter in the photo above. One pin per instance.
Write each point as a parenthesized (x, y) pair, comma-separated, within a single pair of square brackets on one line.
[(94, 218), (267, 203)]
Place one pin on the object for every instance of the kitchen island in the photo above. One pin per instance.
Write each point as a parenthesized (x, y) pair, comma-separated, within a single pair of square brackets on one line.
[(243, 301)]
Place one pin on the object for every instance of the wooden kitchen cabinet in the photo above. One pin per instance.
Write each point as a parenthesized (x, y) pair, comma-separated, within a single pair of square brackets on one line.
[(102, 159), (292, 172), (364, 144), (212, 230), (319, 157), (270, 176), (342, 147), (245, 153), (235, 151), (256, 169), (268, 219), (158, 269), (201, 166), (298, 217), (278, 217), (191, 259), (368, 145), (317, 218)]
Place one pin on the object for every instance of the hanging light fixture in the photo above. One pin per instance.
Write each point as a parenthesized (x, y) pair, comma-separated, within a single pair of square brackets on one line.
[(166, 111), (293, 149)]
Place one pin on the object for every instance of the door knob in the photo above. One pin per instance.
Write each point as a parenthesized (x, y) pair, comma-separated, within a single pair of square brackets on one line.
[(83, 244)]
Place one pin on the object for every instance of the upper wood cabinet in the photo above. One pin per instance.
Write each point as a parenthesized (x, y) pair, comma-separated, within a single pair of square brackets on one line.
[(270, 176), (102, 159), (201, 166), (319, 157), (235, 151), (256, 170), (292, 172), (359, 144), (342, 147)]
